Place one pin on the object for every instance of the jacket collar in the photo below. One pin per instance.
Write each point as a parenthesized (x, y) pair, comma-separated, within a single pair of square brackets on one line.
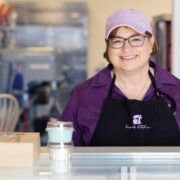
[(161, 76), (102, 78)]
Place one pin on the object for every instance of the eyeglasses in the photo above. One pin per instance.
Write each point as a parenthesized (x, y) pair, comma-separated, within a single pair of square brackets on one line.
[(134, 41)]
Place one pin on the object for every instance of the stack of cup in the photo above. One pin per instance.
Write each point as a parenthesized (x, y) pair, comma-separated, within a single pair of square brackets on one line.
[(60, 139)]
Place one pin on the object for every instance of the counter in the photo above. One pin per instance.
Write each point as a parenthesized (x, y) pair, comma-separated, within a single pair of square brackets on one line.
[(101, 163)]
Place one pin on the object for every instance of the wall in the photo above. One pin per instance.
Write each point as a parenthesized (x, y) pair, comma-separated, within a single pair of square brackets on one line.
[(176, 39), (99, 10)]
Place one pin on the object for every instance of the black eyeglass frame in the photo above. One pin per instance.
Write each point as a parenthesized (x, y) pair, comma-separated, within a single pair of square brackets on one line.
[(127, 39)]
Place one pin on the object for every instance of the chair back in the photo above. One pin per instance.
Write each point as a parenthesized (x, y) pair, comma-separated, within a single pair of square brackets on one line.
[(9, 112)]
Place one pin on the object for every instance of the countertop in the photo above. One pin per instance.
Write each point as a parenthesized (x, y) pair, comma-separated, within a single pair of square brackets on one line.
[(91, 163)]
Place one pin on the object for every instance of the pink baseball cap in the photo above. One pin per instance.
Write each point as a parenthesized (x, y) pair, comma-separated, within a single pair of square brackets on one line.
[(132, 18)]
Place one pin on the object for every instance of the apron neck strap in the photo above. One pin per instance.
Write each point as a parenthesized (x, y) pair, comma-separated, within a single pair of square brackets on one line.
[(153, 82), (160, 93), (112, 86)]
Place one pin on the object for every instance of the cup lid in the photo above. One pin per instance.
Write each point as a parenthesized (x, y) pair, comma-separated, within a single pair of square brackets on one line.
[(55, 123)]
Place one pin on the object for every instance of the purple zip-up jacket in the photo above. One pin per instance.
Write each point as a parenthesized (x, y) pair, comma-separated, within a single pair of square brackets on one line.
[(85, 103)]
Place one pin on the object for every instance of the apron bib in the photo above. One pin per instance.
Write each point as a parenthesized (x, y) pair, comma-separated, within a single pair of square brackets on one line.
[(137, 123)]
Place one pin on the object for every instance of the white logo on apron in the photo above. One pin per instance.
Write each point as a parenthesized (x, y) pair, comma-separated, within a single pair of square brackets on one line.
[(137, 119), (137, 123)]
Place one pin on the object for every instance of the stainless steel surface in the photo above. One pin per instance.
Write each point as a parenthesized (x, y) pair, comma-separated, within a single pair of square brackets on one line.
[(127, 149), (50, 13), (133, 165), (36, 28), (126, 155)]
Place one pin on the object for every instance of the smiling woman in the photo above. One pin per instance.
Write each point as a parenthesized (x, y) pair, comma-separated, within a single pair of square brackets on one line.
[(134, 100), (130, 61), (134, 53)]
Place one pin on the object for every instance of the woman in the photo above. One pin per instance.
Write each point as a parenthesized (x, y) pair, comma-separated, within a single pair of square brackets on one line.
[(133, 101)]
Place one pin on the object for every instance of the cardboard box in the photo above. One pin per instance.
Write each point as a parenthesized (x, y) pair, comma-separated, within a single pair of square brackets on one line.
[(19, 149)]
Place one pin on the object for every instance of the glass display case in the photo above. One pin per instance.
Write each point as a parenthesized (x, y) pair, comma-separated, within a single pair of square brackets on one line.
[(117, 163)]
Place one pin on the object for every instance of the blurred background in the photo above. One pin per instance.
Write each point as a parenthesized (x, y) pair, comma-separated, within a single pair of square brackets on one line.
[(49, 46)]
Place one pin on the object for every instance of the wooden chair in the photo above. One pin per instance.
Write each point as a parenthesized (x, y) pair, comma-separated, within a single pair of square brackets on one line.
[(9, 112)]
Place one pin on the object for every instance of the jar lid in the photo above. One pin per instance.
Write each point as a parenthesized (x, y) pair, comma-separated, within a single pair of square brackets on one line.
[(55, 123)]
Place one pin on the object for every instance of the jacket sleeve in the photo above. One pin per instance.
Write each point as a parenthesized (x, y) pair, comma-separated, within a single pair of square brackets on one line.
[(70, 114)]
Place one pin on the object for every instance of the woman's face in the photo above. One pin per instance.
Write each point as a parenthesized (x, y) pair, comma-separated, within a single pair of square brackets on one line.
[(128, 58)]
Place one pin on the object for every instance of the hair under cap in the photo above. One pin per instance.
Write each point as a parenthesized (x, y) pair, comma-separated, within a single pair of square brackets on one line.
[(132, 18)]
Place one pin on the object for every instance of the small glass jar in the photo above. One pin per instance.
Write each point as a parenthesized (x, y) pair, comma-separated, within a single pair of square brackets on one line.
[(60, 139), (59, 131), (60, 151), (61, 169)]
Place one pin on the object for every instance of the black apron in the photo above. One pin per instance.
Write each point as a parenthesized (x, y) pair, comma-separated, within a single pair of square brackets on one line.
[(137, 123)]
